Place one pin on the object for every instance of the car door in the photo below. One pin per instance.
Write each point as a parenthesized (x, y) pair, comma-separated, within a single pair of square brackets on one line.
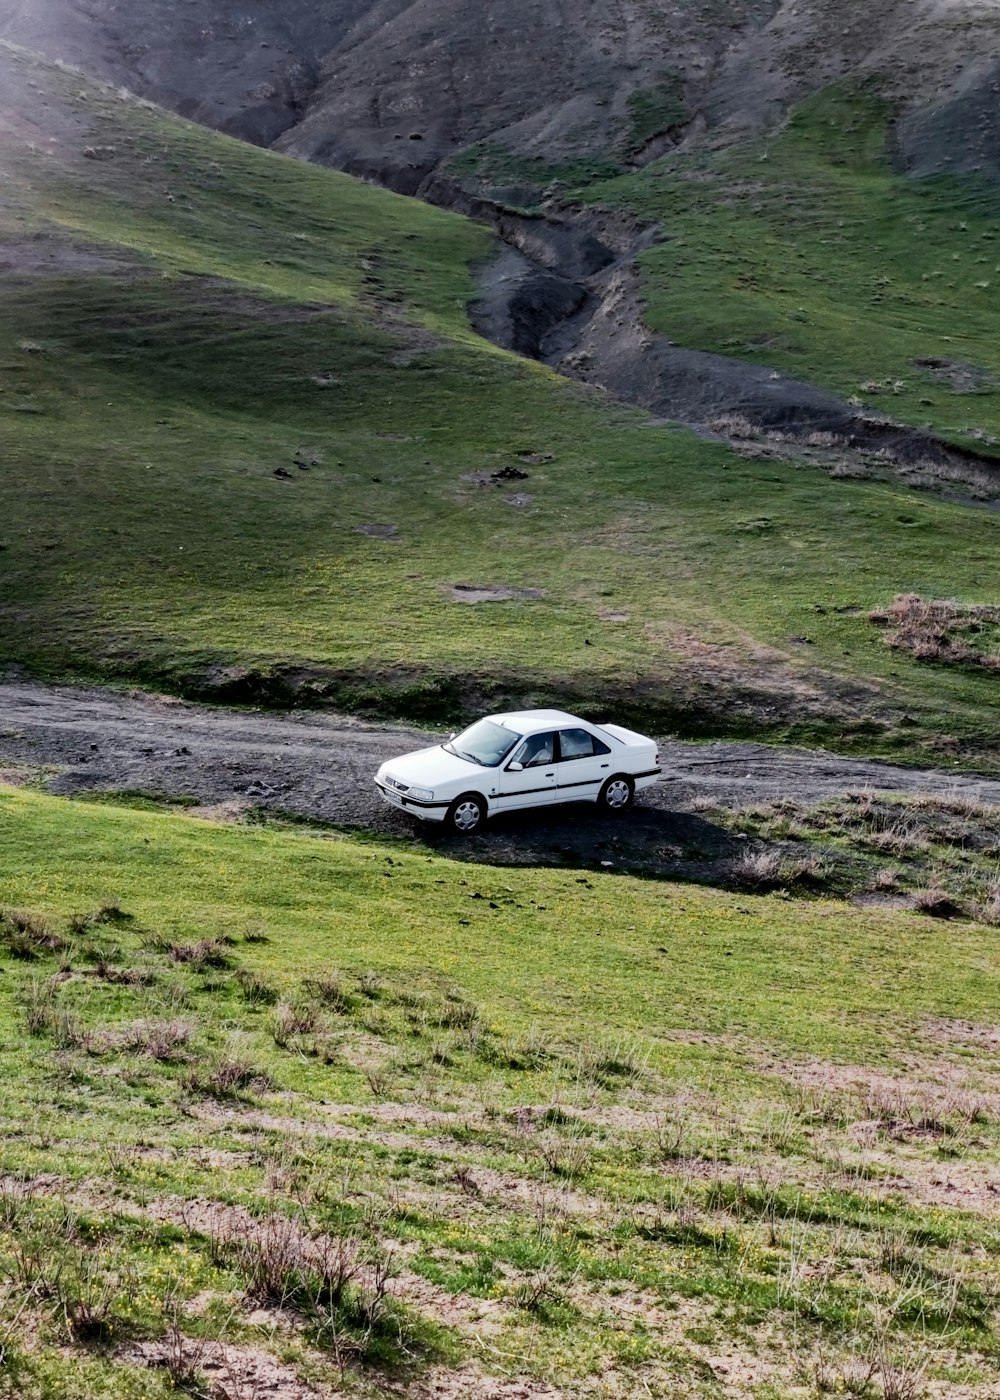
[(528, 777), (584, 763)]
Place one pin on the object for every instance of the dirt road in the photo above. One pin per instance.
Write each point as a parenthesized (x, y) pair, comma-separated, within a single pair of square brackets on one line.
[(320, 766)]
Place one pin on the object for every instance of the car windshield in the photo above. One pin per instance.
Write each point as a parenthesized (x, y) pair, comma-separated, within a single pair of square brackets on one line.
[(484, 743)]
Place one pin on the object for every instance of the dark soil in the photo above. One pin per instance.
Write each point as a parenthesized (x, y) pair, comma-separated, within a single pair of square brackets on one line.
[(319, 767)]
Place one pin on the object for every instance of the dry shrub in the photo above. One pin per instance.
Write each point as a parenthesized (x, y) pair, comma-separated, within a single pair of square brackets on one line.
[(166, 1041), (566, 1155), (609, 1064), (529, 1051), (538, 1289), (183, 1358), (88, 1290), (903, 1115), (103, 914), (988, 911), (456, 1014), (901, 1380), (331, 993), (371, 985), (757, 870), (379, 1078), (851, 1377), (207, 952), (277, 1259), (334, 1282), (44, 1016), (227, 1075), (936, 902), (257, 991), (733, 425), (292, 1020), (937, 630), (28, 935), (124, 976)]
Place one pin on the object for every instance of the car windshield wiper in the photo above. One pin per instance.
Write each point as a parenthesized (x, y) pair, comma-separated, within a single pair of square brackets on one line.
[(460, 753)]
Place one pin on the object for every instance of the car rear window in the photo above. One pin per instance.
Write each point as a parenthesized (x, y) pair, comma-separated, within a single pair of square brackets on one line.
[(579, 743)]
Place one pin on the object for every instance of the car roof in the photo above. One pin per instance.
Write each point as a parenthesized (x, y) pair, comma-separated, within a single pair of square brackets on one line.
[(535, 721)]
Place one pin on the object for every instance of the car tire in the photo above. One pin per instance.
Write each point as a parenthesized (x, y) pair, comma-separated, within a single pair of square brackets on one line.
[(617, 793), (467, 814)]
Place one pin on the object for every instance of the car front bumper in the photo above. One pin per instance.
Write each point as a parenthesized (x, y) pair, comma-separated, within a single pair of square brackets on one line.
[(426, 811)]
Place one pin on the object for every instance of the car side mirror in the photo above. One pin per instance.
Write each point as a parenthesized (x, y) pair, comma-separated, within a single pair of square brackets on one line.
[(452, 735), (515, 767)]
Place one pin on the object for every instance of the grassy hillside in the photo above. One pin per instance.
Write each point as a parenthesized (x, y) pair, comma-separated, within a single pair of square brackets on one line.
[(806, 251), (248, 434), (604, 1129)]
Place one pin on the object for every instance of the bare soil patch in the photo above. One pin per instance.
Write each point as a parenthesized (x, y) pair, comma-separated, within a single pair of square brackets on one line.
[(53, 257), (469, 1384), (231, 1371), (964, 1034), (960, 378), (492, 593)]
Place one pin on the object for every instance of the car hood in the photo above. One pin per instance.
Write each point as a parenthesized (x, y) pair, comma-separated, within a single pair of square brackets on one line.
[(430, 768)]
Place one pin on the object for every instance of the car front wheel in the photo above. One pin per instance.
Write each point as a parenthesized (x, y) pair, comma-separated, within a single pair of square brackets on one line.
[(466, 814), (616, 794)]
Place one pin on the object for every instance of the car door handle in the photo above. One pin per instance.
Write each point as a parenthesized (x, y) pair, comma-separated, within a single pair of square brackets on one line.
[(550, 775), (605, 765)]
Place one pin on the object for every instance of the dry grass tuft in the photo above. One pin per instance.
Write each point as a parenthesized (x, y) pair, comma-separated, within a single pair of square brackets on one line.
[(228, 1074), (331, 993), (292, 1020), (734, 425), (207, 952), (988, 911), (165, 1041), (28, 935), (937, 903), (764, 870), (941, 629)]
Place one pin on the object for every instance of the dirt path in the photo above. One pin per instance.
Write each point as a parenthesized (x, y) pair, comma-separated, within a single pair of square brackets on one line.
[(320, 766)]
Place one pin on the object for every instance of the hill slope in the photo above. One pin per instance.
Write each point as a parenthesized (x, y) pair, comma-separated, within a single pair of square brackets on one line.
[(392, 87), (253, 450), (313, 1117)]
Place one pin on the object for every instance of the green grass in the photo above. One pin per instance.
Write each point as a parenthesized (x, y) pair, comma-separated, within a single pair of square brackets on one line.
[(269, 310), (523, 182), (555, 950), (806, 251), (639, 1044), (657, 109)]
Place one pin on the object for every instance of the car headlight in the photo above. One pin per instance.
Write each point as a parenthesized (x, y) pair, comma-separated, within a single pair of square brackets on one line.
[(421, 794)]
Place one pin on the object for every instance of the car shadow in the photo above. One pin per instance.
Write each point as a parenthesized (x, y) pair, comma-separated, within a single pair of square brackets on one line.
[(644, 840)]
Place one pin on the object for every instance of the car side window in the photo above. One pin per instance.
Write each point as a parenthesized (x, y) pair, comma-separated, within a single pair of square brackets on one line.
[(579, 743), (539, 749)]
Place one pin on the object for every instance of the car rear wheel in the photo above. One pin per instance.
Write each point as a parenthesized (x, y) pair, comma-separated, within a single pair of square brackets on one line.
[(617, 793), (466, 814)]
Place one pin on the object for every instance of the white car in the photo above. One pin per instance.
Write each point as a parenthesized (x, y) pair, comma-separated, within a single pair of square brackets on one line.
[(532, 758)]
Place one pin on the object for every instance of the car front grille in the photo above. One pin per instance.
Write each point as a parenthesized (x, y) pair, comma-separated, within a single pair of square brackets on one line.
[(395, 783)]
